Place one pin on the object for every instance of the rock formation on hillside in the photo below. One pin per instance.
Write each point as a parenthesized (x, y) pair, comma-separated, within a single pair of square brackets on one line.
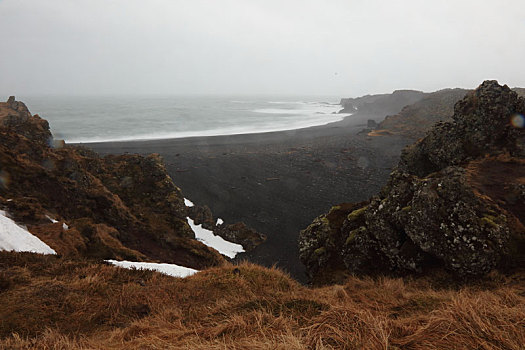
[(238, 232), (116, 207), (456, 201), (15, 116)]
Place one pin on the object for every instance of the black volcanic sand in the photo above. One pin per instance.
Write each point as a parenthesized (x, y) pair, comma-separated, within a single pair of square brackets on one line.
[(275, 182)]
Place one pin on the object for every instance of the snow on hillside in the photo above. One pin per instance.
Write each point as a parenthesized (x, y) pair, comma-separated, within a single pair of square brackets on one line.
[(167, 269), (14, 237), (216, 242)]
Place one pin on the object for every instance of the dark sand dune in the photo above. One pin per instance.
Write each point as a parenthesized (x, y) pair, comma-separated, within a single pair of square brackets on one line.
[(275, 182)]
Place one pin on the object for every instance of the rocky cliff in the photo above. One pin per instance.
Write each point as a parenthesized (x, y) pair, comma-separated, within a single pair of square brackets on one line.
[(456, 201), (380, 105), (417, 118), (414, 120), (80, 204)]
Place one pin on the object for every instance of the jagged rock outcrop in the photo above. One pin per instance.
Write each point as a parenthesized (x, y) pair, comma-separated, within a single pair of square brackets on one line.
[(455, 201), (115, 207), (241, 234), (202, 215), (15, 116), (238, 232)]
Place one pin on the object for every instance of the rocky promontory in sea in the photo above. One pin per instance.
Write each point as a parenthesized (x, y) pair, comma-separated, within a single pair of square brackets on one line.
[(83, 205), (456, 201)]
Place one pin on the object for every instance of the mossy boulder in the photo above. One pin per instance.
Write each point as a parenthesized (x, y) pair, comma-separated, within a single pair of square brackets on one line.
[(456, 201)]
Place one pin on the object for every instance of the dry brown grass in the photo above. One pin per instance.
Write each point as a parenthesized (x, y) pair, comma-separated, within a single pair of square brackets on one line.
[(51, 303)]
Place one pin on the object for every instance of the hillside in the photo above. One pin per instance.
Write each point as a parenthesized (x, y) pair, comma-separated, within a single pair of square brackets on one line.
[(50, 302), (455, 202)]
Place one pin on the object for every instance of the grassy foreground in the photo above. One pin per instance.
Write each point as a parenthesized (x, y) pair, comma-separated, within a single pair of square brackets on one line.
[(52, 303)]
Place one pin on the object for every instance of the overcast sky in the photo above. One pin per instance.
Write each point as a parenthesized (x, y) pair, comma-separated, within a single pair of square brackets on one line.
[(330, 47)]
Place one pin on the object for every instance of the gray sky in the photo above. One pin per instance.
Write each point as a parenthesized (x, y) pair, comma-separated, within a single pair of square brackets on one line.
[(331, 47)]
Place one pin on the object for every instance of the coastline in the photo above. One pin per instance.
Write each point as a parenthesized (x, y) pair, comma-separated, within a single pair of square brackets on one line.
[(212, 133), (275, 182)]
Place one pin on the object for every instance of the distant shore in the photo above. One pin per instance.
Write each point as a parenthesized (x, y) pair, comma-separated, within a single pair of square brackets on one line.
[(275, 182)]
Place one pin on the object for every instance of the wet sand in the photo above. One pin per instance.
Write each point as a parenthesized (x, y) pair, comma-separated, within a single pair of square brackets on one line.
[(275, 182)]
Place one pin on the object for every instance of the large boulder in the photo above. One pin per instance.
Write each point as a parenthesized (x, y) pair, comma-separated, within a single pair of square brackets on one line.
[(454, 202)]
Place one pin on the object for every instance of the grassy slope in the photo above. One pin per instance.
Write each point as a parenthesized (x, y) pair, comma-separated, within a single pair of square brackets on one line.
[(49, 302)]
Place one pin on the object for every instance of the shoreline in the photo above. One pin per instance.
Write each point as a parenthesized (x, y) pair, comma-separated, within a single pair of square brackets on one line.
[(350, 124), (162, 138), (275, 182), (125, 140)]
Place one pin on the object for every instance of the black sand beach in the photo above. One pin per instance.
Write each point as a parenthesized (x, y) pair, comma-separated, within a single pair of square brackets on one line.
[(275, 182)]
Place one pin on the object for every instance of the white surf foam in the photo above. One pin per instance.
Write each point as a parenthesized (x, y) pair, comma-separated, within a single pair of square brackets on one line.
[(300, 124)]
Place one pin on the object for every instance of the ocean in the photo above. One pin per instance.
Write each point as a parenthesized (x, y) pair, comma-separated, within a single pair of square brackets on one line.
[(98, 119)]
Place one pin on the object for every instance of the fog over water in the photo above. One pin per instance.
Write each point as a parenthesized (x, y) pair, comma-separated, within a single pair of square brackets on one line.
[(341, 48)]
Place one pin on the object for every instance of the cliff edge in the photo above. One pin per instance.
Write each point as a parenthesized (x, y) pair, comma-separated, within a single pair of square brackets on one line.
[(83, 205)]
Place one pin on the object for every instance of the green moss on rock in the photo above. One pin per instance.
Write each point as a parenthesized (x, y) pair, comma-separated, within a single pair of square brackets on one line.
[(353, 234), (356, 214), (488, 220), (320, 251)]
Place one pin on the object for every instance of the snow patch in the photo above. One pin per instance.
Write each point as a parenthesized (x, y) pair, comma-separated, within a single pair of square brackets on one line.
[(51, 219), (167, 269), (188, 203), (216, 242), (219, 222), (65, 226), (19, 239)]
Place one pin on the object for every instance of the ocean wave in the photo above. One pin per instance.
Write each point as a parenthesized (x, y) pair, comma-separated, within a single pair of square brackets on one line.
[(307, 108), (278, 111), (287, 102), (301, 103), (331, 118)]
